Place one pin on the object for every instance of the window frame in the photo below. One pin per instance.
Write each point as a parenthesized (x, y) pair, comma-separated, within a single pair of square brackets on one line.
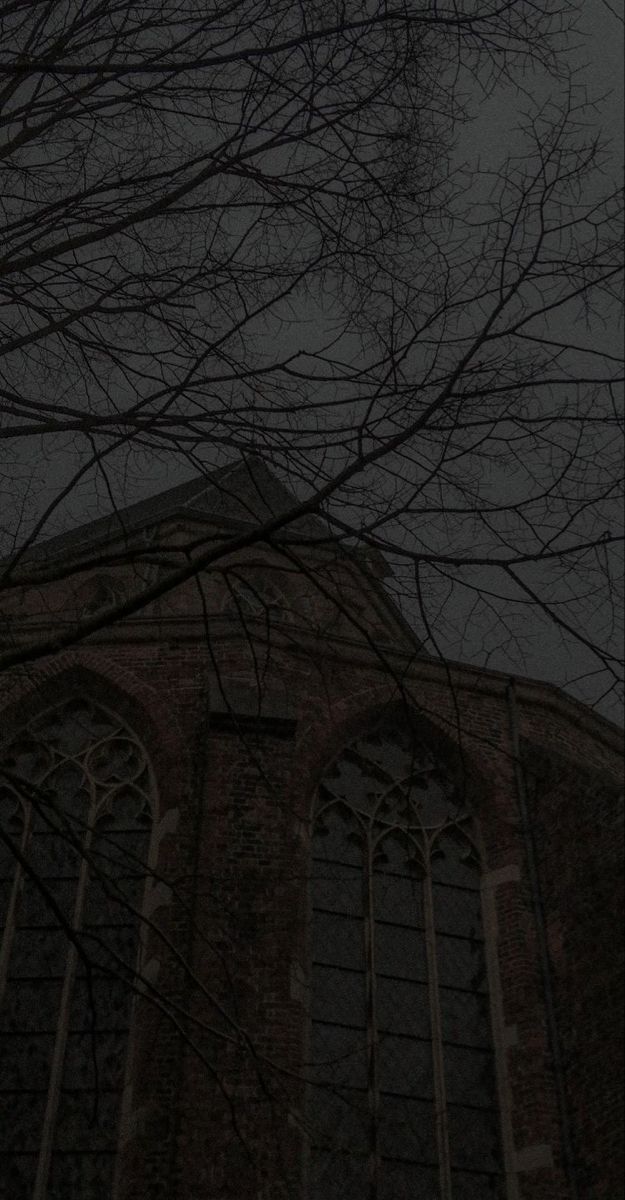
[(123, 729), (486, 891)]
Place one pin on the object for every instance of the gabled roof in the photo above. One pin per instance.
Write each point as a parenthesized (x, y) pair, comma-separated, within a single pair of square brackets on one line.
[(234, 499), (245, 494)]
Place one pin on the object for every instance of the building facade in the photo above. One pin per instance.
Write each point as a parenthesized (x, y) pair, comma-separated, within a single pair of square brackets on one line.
[(290, 909)]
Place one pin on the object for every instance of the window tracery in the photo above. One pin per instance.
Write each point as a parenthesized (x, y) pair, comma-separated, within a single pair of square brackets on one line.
[(402, 1101), (75, 811)]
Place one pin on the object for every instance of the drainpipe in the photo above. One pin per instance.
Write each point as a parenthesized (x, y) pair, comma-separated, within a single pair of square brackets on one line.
[(553, 1037)]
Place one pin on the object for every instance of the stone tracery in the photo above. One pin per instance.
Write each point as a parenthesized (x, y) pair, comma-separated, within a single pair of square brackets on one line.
[(75, 809)]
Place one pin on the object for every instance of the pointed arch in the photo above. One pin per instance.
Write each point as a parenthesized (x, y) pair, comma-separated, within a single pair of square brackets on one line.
[(403, 1094), (92, 674), (77, 800)]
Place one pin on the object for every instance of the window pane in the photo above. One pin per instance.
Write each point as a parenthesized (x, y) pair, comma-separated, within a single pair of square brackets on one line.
[(454, 861), (17, 1175), (34, 907), (408, 1181), (465, 1018), (339, 1120), (339, 996), (337, 887), (457, 910), (397, 853), (69, 728), (86, 1120), (114, 902), (65, 789), (75, 1176), (461, 963), (7, 863), (107, 1004), (108, 947), (405, 1066), (350, 779), (337, 837), (337, 1176), (338, 941), (25, 1060), (400, 952), (53, 856), (119, 759), (403, 1007), (474, 1138), (469, 1076), (6, 888), (107, 1049), (31, 1005), (21, 1120), (398, 898), (38, 952), (474, 1186), (117, 853), (407, 1129), (339, 1055)]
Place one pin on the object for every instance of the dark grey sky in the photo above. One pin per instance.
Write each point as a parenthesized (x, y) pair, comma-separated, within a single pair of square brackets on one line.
[(600, 56)]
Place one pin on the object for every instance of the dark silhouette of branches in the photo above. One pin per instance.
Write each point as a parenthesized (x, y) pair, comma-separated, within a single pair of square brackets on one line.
[(272, 230), (248, 228)]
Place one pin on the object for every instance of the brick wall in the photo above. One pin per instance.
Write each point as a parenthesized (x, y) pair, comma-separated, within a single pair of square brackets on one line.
[(576, 818)]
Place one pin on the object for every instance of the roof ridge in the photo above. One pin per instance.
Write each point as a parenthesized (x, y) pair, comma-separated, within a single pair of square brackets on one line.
[(241, 491)]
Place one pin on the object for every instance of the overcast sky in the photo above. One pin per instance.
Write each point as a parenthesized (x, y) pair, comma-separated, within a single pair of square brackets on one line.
[(601, 68)]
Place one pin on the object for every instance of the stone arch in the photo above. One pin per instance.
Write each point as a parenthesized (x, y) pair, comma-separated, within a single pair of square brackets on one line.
[(118, 690), (356, 719)]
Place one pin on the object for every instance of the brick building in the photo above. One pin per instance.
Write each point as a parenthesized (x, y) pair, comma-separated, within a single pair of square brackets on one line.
[(292, 910)]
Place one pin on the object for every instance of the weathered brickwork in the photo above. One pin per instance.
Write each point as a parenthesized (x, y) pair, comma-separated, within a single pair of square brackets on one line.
[(577, 820), (240, 724)]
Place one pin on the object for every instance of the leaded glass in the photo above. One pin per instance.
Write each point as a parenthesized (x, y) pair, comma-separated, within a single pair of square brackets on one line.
[(407, 1180), (404, 1100), (77, 803), (87, 1174), (405, 1065), (337, 1175)]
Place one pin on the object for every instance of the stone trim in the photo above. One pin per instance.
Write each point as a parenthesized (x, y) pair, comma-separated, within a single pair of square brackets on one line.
[(509, 874)]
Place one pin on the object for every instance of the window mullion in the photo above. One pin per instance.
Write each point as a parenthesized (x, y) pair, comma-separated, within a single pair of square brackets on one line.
[(58, 1057), (8, 932), (438, 1066), (373, 1049)]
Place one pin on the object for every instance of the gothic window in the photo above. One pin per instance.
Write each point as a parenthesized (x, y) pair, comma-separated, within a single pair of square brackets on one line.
[(74, 832), (402, 1098)]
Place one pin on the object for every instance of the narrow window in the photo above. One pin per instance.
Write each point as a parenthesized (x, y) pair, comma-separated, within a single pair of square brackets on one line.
[(75, 818), (402, 1099)]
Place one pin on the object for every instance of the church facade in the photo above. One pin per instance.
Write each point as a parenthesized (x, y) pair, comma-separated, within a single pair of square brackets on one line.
[(292, 911)]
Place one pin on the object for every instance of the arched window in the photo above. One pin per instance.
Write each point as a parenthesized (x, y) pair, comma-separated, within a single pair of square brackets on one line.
[(402, 1100), (75, 812)]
